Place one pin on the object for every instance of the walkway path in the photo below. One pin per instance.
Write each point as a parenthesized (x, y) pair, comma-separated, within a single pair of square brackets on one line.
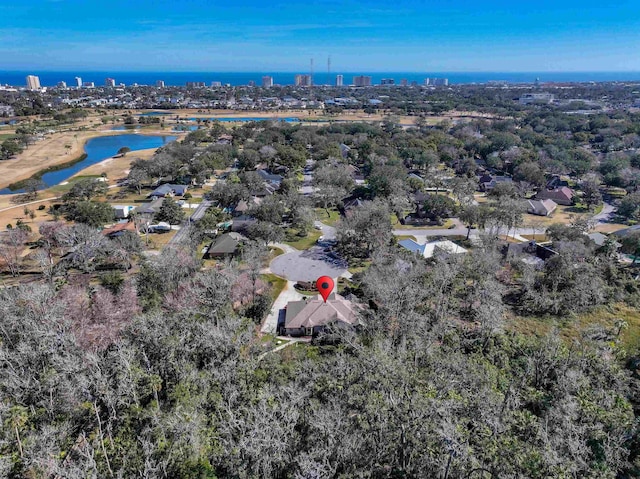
[(22, 205), (288, 342)]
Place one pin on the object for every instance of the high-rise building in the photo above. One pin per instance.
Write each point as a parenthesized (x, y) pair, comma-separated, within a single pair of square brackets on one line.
[(267, 81), (251, 83), (362, 80), (110, 82), (303, 80), (387, 81), (216, 84), (88, 84), (33, 82), (404, 82), (160, 83), (78, 82), (62, 84), (339, 80), (195, 84), (436, 81)]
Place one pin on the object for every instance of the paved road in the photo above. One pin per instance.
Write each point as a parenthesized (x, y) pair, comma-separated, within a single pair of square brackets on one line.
[(328, 232), (606, 215), (183, 233)]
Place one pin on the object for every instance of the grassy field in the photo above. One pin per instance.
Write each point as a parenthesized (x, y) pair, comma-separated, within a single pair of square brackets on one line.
[(276, 283), (404, 237), (395, 224), (359, 266), (159, 240), (274, 252), (572, 327), (331, 219), (539, 238), (302, 243)]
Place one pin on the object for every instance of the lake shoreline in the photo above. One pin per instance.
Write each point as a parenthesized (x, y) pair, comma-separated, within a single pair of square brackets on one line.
[(56, 149), (155, 140)]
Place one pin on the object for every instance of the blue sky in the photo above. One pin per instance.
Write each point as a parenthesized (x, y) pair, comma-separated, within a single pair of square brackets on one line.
[(282, 35)]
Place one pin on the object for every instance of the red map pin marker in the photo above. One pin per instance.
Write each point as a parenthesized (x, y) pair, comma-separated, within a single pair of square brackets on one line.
[(325, 286)]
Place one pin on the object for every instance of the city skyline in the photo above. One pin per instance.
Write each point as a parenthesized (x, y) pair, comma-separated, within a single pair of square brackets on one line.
[(411, 36)]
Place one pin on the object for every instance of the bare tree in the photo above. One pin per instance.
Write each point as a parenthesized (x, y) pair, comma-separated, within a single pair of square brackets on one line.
[(11, 248)]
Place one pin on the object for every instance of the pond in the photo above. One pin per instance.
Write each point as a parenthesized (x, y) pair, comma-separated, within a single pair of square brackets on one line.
[(246, 119), (98, 149)]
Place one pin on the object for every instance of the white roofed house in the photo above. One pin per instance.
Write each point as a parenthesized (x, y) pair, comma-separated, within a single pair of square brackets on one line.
[(122, 211), (434, 248), (541, 207)]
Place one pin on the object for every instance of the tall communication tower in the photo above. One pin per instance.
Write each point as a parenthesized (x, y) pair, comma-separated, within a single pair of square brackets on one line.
[(311, 81)]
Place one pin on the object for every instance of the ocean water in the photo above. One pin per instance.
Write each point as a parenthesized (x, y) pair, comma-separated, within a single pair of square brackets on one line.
[(48, 78), (98, 149)]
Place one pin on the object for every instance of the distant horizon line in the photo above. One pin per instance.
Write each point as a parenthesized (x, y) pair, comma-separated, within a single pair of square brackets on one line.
[(319, 72)]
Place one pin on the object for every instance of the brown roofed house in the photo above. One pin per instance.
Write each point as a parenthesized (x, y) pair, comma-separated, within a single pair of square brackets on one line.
[(562, 196), (118, 229), (309, 317)]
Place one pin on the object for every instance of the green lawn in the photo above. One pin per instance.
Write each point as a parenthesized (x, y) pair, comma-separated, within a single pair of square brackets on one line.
[(61, 189), (331, 219), (404, 237), (359, 266), (274, 252), (395, 224), (6, 136), (277, 284), (598, 209), (292, 239)]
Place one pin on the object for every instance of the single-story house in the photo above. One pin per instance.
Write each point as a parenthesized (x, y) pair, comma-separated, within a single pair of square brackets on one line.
[(266, 190), (241, 208), (241, 223), (224, 245), (349, 205), (122, 211), (541, 207), (599, 239), (556, 182), (562, 196), (433, 248), (309, 317), (169, 190), (627, 231), (270, 178), (150, 208), (488, 182), (119, 229)]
